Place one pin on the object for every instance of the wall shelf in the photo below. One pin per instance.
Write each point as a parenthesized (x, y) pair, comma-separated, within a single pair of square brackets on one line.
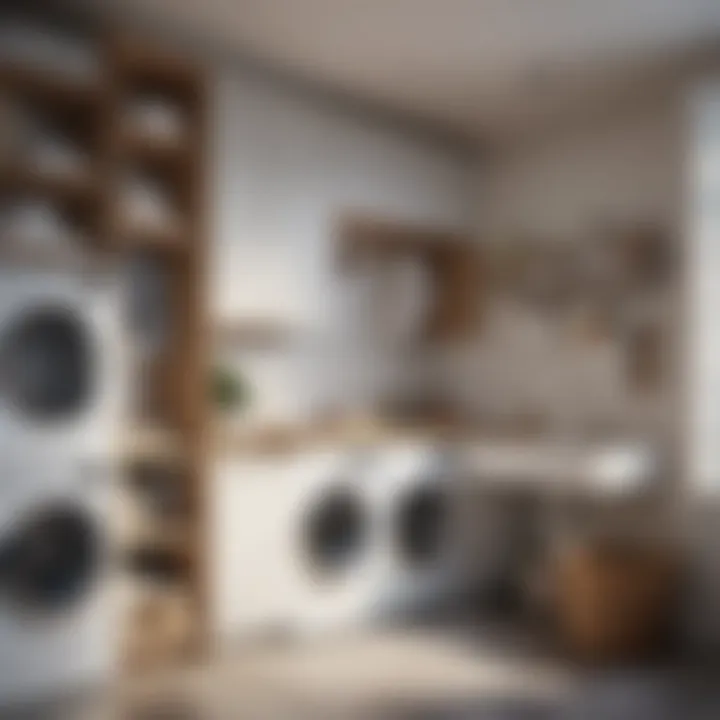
[(254, 332)]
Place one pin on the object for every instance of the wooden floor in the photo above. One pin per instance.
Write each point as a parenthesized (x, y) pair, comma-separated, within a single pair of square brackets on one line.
[(430, 674)]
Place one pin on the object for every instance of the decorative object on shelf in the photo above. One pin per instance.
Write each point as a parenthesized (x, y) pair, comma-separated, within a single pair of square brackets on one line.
[(146, 208), (50, 152), (229, 390), (36, 225), (156, 118)]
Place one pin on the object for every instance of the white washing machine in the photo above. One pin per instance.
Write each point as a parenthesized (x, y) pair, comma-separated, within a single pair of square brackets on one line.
[(426, 549), (292, 547), (56, 606), (331, 543), (61, 366)]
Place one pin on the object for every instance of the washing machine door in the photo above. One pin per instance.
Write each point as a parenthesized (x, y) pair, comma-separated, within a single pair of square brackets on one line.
[(335, 532), (423, 525), (50, 562), (46, 365)]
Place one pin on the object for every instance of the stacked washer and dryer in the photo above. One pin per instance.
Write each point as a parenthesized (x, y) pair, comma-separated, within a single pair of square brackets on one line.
[(61, 395)]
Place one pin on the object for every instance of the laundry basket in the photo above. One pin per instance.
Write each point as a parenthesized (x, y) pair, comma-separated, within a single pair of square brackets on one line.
[(617, 601)]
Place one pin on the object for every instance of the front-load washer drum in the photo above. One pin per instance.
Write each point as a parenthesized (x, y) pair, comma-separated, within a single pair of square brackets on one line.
[(49, 564), (46, 365), (335, 533), (421, 526)]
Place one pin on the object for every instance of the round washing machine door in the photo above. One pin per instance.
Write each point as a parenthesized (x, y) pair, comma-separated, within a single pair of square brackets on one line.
[(335, 532), (50, 562), (46, 364), (422, 526)]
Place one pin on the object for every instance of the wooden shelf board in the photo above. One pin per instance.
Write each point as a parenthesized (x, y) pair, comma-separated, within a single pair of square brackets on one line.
[(147, 238), (49, 87), (254, 331), (78, 259), (170, 541), (154, 444), (81, 188)]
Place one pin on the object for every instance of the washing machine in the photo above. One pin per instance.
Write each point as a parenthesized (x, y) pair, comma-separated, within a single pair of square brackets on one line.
[(331, 543), (56, 601), (61, 365), (424, 544)]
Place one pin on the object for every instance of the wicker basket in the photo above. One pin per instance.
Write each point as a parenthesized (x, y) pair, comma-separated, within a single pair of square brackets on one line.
[(617, 601)]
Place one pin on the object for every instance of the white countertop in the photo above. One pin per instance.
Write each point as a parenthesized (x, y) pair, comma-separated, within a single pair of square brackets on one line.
[(612, 469)]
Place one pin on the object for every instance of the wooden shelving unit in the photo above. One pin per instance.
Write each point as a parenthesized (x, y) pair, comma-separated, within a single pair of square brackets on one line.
[(175, 439), (168, 623)]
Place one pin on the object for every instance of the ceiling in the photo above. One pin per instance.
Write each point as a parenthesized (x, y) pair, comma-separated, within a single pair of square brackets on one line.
[(477, 68)]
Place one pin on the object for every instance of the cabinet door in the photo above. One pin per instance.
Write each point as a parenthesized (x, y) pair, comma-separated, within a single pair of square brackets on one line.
[(247, 554)]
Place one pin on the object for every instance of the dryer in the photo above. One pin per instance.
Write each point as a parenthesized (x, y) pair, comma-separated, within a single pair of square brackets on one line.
[(61, 365), (425, 548), (56, 605)]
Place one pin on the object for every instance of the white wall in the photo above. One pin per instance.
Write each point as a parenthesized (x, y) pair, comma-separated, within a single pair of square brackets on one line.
[(703, 356), (626, 165), (576, 183), (285, 168)]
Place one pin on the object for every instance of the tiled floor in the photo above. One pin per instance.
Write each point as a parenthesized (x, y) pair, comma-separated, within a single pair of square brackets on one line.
[(429, 675)]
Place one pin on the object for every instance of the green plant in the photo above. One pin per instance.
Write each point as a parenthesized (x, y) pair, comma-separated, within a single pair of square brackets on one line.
[(228, 389)]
